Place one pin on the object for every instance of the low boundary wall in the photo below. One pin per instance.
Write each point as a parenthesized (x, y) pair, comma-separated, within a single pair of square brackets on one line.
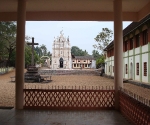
[(67, 72)]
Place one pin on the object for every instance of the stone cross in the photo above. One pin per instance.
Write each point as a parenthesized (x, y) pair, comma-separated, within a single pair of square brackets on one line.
[(32, 60)]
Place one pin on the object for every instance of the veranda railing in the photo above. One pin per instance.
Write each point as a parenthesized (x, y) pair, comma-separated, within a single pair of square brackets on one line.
[(134, 107), (57, 97)]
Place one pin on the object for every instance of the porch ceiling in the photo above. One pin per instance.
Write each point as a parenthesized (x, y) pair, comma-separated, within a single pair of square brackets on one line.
[(98, 10)]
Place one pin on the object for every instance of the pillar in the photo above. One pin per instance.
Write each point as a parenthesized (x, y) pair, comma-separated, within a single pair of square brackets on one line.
[(118, 49), (148, 55), (20, 43)]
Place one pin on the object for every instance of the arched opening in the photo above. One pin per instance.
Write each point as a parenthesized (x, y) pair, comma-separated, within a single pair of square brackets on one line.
[(61, 62)]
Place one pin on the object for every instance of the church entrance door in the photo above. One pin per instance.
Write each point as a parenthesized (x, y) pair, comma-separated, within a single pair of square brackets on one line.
[(61, 62)]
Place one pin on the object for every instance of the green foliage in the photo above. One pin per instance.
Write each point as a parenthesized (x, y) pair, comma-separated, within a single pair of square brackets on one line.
[(12, 58), (7, 40), (99, 58), (28, 55), (42, 51), (100, 61), (38, 51), (76, 51), (103, 39), (95, 54), (8, 45)]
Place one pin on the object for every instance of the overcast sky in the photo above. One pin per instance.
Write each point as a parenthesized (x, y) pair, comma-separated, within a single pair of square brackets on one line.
[(81, 33)]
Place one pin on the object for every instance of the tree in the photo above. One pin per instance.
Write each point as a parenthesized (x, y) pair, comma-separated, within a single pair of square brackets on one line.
[(85, 53), (95, 54), (100, 61), (38, 51), (7, 39), (48, 53), (99, 58), (28, 55), (78, 52), (43, 49), (103, 39)]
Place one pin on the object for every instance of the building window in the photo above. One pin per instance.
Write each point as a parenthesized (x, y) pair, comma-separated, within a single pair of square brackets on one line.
[(126, 46), (145, 68), (78, 61), (145, 37), (85, 65), (137, 40), (126, 69), (74, 65), (77, 65), (137, 68), (131, 43), (84, 61), (72, 61)]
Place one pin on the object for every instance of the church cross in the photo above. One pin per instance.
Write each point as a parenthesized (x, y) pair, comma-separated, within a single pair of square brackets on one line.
[(32, 60)]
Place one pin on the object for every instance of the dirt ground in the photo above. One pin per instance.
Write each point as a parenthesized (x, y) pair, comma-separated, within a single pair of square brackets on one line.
[(7, 88)]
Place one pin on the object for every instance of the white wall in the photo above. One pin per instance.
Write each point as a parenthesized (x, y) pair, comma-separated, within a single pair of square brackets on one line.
[(130, 52), (126, 54), (144, 48), (137, 60), (124, 66), (137, 50), (144, 59), (131, 68), (94, 64)]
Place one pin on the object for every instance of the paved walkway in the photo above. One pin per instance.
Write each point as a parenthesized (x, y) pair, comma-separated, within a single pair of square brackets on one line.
[(40, 117)]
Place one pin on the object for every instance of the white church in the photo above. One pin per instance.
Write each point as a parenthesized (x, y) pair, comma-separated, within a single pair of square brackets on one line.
[(61, 53), (62, 58)]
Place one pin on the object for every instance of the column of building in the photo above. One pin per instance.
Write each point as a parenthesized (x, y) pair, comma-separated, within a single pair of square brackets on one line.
[(140, 63), (118, 49), (148, 54), (20, 43)]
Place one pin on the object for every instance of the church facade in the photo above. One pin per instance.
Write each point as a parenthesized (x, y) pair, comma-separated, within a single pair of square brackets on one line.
[(61, 53), (136, 52)]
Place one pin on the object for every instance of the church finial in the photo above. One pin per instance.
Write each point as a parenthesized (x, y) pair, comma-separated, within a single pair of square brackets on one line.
[(61, 32), (68, 39)]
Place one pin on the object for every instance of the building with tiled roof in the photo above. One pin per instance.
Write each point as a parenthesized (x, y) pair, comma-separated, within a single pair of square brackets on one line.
[(84, 62), (136, 52)]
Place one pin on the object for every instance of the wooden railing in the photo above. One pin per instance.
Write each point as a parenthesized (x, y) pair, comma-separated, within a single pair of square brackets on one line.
[(73, 98), (135, 108)]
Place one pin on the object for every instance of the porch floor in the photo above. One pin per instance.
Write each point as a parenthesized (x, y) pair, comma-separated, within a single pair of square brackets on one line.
[(47, 117)]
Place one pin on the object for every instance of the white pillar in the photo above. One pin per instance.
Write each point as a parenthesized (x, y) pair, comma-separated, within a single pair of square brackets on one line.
[(21, 17), (118, 48)]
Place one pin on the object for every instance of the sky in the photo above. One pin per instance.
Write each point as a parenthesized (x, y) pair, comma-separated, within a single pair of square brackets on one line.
[(81, 33)]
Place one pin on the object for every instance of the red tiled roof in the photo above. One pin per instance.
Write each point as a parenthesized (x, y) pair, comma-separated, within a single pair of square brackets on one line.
[(130, 28)]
